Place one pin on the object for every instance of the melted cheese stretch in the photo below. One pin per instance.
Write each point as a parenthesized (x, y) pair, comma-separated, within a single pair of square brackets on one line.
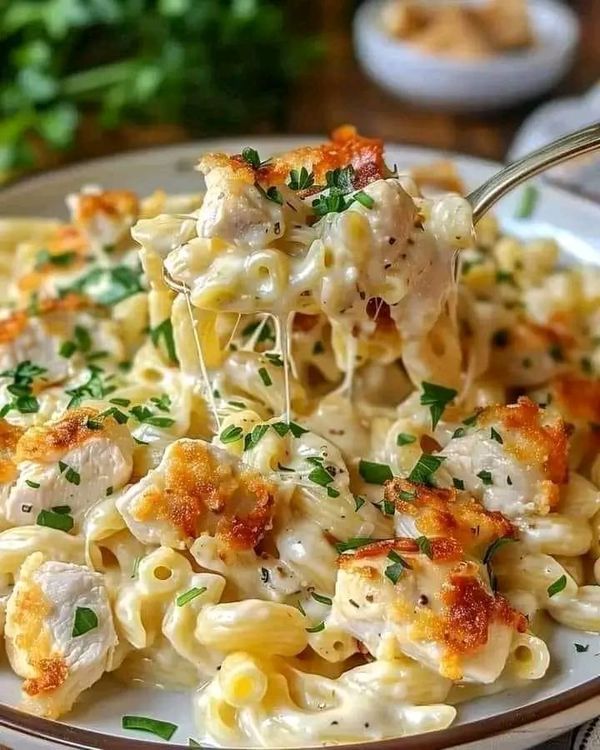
[(248, 539)]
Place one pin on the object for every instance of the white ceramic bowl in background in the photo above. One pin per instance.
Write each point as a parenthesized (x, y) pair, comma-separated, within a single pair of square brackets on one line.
[(468, 85), (513, 720)]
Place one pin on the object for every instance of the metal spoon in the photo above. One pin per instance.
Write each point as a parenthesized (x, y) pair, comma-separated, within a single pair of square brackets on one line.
[(568, 147)]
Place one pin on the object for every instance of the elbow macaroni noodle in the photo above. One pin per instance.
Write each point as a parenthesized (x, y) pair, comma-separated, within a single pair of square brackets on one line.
[(295, 536)]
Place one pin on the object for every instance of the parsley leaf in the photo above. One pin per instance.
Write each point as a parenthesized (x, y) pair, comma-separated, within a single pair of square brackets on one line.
[(557, 586), (374, 473), (164, 331), (437, 397), (423, 471)]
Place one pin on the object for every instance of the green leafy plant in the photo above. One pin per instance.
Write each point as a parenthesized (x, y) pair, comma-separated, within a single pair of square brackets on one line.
[(210, 65)]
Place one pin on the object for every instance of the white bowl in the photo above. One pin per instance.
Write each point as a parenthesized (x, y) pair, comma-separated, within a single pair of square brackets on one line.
[(467, 85), (513, 720)]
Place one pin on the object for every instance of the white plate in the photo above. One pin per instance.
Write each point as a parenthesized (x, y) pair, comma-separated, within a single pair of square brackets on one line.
[(569, 694), (466, 85)]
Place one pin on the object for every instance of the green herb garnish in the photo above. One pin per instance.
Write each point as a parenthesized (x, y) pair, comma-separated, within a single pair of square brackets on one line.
[(437, 397), (423, 471), (527, 203), (374, 473), (189, 595), (557, 586), (85, 620), (163, 729)]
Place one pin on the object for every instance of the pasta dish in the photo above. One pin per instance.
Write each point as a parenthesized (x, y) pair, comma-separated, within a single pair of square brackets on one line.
[(305, 445)]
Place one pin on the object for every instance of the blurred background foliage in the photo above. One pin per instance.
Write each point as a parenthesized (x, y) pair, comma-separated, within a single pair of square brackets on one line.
[(204, 66)]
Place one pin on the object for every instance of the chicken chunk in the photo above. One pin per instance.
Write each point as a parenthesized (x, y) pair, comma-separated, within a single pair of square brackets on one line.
[(436, 608), (59, 632), (435, 512), (73, 462), (48, 338), (198, 487), (105, 217), (511, 459)]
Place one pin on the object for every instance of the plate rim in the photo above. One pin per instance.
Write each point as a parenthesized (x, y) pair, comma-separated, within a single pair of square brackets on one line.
[(66, 735)]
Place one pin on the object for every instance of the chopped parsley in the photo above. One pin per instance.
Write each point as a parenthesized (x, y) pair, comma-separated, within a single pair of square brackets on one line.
[(271, 194), (60, 260), (321, 476), (364, 199), (281, 428), (580, 648), (33, 485), (423, 471), (374, 473), (231, 434), (189, 595), (527, 203), (120, 401), (266, 331), (108, 286), (424, 545), (485, 476), (265, 377), (301, 179), (459, 432), (164, 332), (437, 397), (163, 729), (458, 483), (334, 203), (21, 388), (85, 620), (54, 520), (354, 542), (318, 348), (403, 438), (253, 438), (95, 387), (557, 586), (251, 157), (321, 599), (358, 502), (496, 436), (316, 628), (395, 570), (144, 415)]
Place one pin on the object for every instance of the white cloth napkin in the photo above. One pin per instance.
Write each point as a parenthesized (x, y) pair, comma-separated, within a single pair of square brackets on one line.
[(557, 118)]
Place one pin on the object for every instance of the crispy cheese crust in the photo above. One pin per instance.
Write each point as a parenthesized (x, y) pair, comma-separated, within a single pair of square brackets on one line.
[(446, 513), (48, 443), (345, 148), (30, 612), (9, 438), (113, 203), (468, 608), (195, 484), (530, 441)]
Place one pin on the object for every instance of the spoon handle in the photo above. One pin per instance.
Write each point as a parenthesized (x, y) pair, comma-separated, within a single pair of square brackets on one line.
[(577, 143)]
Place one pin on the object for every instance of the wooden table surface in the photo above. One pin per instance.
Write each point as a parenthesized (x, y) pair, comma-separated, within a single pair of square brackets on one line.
[(338, 92)]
